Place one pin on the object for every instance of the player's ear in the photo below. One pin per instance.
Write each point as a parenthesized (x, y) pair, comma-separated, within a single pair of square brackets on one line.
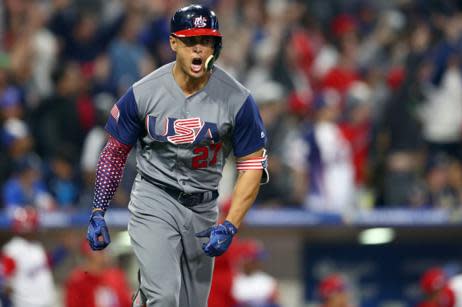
[(173, 43)]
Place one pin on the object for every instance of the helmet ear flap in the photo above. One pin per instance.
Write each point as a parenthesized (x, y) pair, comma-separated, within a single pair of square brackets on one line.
[(217, 47), (216, 53)]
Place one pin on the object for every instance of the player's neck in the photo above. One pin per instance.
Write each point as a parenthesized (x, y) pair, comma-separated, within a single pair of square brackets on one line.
[(188, 84)]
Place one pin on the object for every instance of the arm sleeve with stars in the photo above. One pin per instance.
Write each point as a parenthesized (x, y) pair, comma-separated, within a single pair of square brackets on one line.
[(109, 172)]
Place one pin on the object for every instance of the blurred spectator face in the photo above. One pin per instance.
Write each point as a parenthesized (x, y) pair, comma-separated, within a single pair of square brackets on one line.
[(269, 97), (327, 106), (131, 28), (420, 38), (162, 7), (10, 98), (85, 29), (15, 6), (4, 73), (16, 138), (341, 299), (270, 111), (455, 174), (425, 71), (71, 82), (29, 176), (333, 291), (454, 61), (329, 113), (438, 176), (10, 106), (453, 27), (21, 146), (349, 48), (62, 169), (253, 12), (28, 170), (360, 113), (358, 103), (37, 15)]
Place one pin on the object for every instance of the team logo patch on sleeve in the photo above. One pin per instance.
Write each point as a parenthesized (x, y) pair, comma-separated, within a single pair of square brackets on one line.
[(115, 112)]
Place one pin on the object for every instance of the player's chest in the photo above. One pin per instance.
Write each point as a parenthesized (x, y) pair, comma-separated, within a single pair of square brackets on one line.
[(193, 120)]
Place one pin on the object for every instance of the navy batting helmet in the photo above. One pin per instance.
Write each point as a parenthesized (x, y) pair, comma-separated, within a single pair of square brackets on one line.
[(197, 20)]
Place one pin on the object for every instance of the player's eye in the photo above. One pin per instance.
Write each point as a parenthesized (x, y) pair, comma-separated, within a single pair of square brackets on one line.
[(207, 40), (195, 40), (189, 41)]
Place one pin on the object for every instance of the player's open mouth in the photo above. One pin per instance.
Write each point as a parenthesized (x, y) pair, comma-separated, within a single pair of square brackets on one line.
[(196, 65)]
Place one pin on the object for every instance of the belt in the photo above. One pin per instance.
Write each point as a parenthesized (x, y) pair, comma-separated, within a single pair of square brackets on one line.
[(186, 199)]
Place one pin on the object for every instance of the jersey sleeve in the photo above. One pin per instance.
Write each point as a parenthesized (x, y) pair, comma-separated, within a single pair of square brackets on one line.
[(123, 122), (249, 133)]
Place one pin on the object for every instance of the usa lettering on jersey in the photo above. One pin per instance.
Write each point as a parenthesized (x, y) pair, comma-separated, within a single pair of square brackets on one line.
[(183, 131)]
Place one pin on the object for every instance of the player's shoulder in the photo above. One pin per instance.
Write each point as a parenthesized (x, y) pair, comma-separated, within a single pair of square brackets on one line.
[(228, 85), (16, 246), (14, 243), (154, 77)]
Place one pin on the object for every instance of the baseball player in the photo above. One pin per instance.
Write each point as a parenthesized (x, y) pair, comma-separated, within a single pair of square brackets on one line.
[(25, 263), (184, 118), (334, 292)]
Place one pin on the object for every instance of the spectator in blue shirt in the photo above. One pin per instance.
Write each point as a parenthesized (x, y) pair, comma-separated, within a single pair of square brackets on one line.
[(26, 188)]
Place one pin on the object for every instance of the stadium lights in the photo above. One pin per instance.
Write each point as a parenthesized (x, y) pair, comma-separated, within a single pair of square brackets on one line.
[(376, 236)]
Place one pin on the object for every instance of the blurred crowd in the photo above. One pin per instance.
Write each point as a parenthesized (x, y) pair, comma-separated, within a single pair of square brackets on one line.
[(362, 99), (437, 287), (29, 272)]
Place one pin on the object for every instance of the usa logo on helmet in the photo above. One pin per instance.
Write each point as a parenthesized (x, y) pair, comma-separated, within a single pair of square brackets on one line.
[(200, 22)]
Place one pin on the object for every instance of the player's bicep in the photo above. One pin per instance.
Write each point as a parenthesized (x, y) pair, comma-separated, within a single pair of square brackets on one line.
[(124, 123), (249, 135)]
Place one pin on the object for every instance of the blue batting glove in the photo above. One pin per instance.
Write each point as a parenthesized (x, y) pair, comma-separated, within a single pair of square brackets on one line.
[(98, 233), (220, 237)]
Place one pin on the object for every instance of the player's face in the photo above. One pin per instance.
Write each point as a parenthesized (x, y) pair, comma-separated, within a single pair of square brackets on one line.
[(191, 53)]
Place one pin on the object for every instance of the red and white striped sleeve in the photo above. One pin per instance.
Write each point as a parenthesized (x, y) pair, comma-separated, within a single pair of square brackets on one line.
[(256, 163)]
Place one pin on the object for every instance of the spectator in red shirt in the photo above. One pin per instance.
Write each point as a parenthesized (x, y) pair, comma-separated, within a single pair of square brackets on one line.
[(96, 283), (357, 127)]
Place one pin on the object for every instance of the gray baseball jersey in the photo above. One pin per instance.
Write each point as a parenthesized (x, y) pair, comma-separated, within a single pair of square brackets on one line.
[(183, 141)]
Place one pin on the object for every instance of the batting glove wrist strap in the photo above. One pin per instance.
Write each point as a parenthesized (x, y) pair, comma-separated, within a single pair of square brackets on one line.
[(230, 227), (98, 211), (220, 238)]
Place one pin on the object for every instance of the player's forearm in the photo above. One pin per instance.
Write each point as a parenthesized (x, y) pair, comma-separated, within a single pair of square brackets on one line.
[(109, 172), (245, 192)]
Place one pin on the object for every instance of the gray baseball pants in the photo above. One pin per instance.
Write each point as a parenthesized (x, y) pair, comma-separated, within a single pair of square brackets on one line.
[(174, 270)]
